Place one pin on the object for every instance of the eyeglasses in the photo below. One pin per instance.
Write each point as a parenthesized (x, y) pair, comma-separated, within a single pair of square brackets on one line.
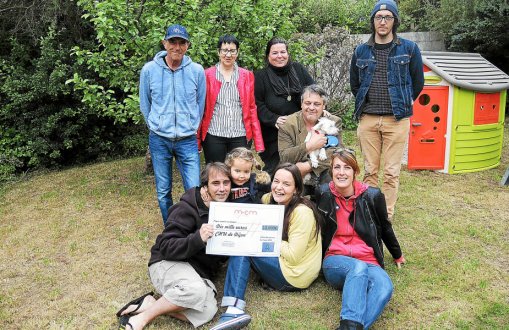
[(379, 18), (179, 41), (225, 51), (340, 150)]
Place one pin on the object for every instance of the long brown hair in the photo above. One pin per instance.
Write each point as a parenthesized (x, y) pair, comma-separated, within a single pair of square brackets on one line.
[(296, 200)]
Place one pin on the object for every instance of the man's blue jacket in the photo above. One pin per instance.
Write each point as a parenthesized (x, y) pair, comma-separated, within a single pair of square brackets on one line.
[(405, 76)]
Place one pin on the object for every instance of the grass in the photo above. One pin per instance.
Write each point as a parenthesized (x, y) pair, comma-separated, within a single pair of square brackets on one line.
[(75, 247)]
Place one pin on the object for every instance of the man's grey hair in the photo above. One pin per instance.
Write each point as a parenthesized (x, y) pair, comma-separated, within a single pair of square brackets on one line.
[(315, 89)]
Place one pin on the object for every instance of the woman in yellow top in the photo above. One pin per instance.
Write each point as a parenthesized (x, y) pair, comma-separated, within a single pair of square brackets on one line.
[(301, 255)]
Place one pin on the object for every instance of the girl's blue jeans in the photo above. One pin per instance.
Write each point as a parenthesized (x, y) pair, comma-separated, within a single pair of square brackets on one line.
[(237, 277), (366, 288)]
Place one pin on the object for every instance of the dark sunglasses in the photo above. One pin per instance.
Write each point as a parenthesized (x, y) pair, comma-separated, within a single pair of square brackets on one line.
[(340, 150)]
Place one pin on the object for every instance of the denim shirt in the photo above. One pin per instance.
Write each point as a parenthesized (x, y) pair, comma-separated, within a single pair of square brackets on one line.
[(405, 76)]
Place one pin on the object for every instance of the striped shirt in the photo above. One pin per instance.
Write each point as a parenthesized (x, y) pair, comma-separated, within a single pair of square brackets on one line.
[(378, 101), (227, 117)]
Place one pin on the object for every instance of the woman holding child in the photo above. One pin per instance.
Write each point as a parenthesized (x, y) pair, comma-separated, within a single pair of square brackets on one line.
[(301, 250), (355, 225)]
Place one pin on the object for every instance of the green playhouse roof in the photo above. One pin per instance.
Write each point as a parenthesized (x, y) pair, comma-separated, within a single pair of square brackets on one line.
[(467, 70)]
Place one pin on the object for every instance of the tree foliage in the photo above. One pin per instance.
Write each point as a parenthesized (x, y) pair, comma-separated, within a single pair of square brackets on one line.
[(29, 20), (411, 13), (348, 14), (467, 25), (485, 32), (43, 122), (129, 33)]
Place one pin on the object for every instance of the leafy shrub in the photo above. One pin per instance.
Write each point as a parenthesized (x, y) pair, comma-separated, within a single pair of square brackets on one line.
[(135, 141), (485, 32), (349, 122), (349, 14), (42, 123)]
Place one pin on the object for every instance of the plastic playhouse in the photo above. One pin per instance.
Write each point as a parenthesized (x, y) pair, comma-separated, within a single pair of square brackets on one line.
[(458, 121)]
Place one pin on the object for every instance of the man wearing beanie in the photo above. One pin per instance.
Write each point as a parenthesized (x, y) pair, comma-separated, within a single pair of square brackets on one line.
[(386, 76)]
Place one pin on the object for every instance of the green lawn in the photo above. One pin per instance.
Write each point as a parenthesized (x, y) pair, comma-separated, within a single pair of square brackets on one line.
[(75, 246)]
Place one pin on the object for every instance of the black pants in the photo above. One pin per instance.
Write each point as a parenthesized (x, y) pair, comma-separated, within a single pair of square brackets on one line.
[(270, 157), (215, 148)]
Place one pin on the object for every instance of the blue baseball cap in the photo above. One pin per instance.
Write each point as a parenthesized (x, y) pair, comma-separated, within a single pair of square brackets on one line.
[(176, 31)]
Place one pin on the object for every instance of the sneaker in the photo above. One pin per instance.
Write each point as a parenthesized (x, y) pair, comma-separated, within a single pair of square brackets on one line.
[(229, 321)]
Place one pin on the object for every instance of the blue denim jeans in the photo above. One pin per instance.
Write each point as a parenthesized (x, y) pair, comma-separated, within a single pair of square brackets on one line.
[(237, 277), (366, 288), (185, 152)]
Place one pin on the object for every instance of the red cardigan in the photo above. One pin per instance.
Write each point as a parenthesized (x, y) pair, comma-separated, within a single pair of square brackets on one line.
[(245, 85)]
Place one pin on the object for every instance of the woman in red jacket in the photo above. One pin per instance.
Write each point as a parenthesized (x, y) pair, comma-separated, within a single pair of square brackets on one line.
[(230, 119)]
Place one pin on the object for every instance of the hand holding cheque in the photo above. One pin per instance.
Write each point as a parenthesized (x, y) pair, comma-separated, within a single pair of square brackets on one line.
[(245, 229)]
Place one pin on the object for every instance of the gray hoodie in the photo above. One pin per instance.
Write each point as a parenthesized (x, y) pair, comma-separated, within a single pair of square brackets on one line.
[(172, 102)]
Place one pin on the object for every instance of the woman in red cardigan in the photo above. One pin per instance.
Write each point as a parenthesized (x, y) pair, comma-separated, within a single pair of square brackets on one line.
[(230, 119)]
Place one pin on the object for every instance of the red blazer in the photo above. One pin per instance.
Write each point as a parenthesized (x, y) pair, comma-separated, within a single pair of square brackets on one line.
[(245, 85)]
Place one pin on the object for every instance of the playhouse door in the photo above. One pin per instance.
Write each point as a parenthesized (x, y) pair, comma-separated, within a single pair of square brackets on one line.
[(428, 125)]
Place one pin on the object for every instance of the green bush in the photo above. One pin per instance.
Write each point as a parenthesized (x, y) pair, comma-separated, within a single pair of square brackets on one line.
[(42, 122), (135, 141), (353, 15), (349, 123), (485, 32)]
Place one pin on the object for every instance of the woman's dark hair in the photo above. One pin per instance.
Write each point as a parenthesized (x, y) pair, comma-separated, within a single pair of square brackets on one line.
[(227, 39), (272, 42), (296, 200), (213, 167)]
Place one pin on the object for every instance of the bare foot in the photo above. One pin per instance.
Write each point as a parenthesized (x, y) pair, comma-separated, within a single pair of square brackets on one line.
[(135, 323), (146, 303)]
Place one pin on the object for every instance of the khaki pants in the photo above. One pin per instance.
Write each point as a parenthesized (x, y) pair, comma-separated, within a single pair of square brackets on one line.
[(383, 135), (180, 284)]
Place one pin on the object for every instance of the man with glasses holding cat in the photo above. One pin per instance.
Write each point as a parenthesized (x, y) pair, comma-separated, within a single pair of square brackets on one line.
[(386, 76), (172, 99)]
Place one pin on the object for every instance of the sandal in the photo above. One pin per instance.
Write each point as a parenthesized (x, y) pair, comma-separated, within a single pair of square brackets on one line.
[(137, 301), (124, 322)]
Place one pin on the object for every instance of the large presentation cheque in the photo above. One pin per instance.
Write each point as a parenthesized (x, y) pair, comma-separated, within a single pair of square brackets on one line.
[(245, 229)]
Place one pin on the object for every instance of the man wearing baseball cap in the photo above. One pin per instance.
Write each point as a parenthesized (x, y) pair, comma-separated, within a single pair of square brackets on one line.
[(172, 101), (386, 76)]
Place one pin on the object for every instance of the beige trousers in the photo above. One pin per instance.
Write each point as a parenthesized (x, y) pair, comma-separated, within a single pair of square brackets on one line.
[(383, 135)]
